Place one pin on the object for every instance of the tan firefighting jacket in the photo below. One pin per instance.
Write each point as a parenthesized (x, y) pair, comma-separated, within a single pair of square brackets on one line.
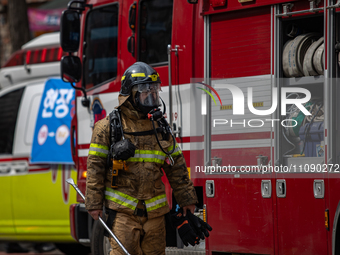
[(142, 178)]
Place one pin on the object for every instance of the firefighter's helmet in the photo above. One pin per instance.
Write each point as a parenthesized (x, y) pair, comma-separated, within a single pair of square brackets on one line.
[(141, 85), (138, 73)]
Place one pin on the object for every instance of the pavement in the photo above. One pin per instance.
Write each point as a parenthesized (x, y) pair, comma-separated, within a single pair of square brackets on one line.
[(197, 250), (30, 248)]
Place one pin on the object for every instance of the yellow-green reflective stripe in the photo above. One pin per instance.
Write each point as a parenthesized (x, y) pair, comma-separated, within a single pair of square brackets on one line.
[(98, 150), (138, 75), (150, 152), (161, 157), (148, 156), (121, 198), (176, 153), (120, 202), (135, 200), (170, 148), (156, 202), (156, 206), (152, 160), (123, 78), (99, 154), (177, 150), (154, 199), (95, 145)]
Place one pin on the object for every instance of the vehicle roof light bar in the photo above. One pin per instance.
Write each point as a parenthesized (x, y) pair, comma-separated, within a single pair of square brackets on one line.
[(35, 56)]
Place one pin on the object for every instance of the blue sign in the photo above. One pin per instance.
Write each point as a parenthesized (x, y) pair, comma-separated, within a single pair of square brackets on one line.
[(52, 143)]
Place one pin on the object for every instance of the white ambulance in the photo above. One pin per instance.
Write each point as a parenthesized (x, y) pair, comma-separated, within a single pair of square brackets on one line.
[(35, 198)]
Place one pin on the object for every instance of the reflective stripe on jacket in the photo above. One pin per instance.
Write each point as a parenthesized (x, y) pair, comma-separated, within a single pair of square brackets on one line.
[(131, 202), (154, 156), (141, 180), (98, 150)]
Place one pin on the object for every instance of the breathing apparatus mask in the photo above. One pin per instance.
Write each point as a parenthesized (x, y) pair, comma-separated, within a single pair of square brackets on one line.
[(147, 100), (147, 96), (141, 85)]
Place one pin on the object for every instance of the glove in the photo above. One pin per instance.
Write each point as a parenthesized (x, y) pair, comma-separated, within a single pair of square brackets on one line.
[(200, 227), (123, 149), (186, 233)]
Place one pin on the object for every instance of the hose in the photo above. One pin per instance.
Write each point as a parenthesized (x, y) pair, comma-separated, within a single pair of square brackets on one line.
[(168, 129)]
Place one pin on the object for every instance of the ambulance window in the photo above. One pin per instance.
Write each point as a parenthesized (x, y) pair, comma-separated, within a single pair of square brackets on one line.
[(9, 104), (100, 48), (155, 23)]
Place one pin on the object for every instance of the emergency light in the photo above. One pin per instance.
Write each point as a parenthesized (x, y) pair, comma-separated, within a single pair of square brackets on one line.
[(45, 55), (217, 3), (84, 175)]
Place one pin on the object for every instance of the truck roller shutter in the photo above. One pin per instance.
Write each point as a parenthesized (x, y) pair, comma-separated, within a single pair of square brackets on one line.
[(247, 33)]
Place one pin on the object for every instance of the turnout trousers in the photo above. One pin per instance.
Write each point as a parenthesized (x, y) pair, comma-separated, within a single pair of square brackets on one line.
[(139, 235)]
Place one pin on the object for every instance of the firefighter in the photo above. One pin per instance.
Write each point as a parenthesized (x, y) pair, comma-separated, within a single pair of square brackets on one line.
[(136, 196)]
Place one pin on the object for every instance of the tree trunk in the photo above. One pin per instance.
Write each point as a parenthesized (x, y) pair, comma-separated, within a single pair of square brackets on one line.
[(18, 23)]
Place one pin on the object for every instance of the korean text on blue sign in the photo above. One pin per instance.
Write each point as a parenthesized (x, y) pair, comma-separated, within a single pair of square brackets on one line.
[(52, 142)]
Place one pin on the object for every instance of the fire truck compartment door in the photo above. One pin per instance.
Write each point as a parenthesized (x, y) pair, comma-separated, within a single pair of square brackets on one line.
[(242, 207)]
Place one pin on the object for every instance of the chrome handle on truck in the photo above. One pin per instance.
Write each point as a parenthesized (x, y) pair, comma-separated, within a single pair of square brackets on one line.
[(281, 188), (210, 188), (319, 188), (266, 188)]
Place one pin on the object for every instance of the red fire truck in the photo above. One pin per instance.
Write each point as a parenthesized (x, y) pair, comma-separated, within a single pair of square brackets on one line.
[(264, 157)]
